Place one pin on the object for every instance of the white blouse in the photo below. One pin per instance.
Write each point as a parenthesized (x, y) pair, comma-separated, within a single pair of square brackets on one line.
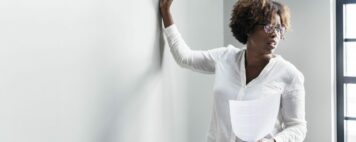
[(278, 76)]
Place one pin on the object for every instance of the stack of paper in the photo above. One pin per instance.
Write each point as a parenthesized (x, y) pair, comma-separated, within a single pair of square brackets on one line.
[(252, 120)]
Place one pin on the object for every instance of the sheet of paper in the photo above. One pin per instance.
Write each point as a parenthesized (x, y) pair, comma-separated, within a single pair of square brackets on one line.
[(252, 120)]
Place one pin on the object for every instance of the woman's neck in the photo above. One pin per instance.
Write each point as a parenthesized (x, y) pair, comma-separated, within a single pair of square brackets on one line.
[(254, 59)]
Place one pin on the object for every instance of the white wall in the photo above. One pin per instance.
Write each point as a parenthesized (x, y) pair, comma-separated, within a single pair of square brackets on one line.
[(310, 47), (228, 37), (99, 71), (200, 23)]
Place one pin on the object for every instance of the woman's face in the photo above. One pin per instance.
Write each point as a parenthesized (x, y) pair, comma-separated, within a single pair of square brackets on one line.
[(264, 39)]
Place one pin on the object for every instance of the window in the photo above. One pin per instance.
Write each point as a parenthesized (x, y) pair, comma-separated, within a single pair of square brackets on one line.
[(346, 70)]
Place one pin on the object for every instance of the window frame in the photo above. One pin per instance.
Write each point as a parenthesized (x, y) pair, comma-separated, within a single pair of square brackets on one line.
[(340, 77)]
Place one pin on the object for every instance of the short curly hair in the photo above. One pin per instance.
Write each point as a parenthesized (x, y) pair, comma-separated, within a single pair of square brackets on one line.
[(246, 14)]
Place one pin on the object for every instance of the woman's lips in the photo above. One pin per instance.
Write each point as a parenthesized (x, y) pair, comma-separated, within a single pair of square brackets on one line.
[(271, 44)]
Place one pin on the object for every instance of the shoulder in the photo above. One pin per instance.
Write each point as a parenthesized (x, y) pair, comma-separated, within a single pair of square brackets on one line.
[(225, 51), (232, 50), (293, 75), (290, 68)]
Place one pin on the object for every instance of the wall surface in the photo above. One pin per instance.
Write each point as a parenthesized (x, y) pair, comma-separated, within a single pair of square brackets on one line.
[(310, 47), (228, 37), (201, 25), (100, 71)]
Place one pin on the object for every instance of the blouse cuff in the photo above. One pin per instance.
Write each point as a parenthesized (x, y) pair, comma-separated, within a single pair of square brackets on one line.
[(171, 30)]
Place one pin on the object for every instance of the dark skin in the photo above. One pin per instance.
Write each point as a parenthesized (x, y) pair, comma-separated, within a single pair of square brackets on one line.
[(260, 45), (260, 48), (165, 9)]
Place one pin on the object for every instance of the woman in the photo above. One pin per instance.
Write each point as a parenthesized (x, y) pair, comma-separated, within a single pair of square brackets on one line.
[(249, 73)]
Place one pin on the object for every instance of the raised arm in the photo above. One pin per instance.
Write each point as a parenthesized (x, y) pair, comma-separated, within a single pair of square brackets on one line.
[(200, 61)]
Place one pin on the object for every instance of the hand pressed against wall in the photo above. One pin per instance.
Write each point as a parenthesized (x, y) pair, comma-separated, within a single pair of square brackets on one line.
[(165, 6)]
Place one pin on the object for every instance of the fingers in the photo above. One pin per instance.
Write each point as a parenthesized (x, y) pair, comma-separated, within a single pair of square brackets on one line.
[(165, 5)]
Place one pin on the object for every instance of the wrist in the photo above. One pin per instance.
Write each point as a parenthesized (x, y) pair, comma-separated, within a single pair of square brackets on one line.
[(166, 13)]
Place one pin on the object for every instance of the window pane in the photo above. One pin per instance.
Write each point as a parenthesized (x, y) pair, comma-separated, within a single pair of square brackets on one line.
[(350, 59), (350, 130), (350, 21), (350, 99)]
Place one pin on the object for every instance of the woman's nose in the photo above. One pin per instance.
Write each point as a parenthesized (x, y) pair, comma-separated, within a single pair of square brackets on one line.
[(274, 34)]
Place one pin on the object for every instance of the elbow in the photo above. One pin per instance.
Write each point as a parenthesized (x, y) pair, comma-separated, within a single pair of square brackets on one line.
[(303, 131), (181, 53), (182, 59)]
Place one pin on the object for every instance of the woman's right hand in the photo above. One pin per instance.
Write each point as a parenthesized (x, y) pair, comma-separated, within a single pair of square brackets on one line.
[(164, 7)]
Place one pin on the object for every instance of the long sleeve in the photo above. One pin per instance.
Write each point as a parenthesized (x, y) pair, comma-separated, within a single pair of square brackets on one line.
[(200, 61), (293, 112)]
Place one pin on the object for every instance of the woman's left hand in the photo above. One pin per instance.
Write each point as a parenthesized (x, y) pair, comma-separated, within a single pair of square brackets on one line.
[(266, 140)]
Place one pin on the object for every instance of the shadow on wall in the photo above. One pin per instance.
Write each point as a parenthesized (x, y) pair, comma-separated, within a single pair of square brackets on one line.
[(126, 104)]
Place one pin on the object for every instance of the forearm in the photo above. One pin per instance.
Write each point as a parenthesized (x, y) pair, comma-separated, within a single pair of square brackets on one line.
[(292, 134), (293, 112), (179, 49), (196, 60)]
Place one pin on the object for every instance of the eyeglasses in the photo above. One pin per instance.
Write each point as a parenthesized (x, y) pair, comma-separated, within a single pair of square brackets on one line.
[(268, 28)]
